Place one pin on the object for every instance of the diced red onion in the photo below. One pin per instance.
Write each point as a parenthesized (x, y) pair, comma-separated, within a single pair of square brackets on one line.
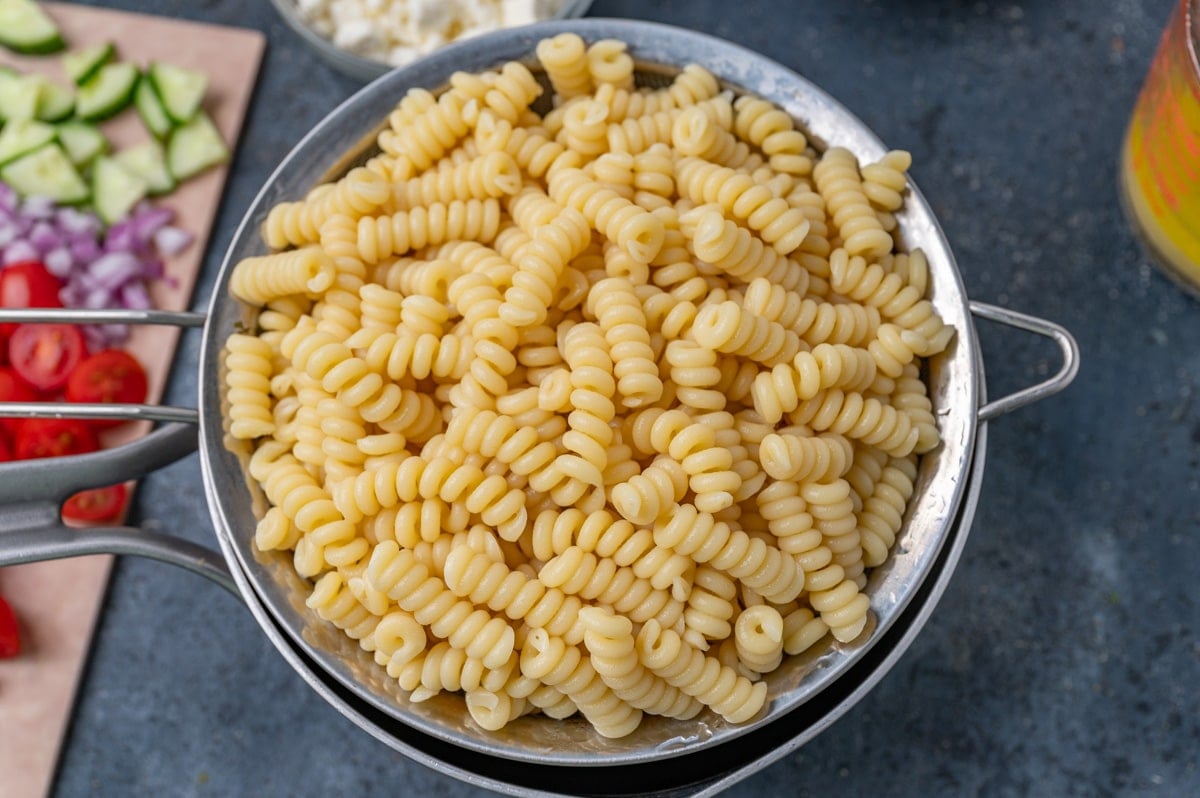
[(148, 221), (18, 251), (134, 296), (59, 262), (170, 241), (38, 207), (98, 267), (85, 250), (43, 236), (114, 269), (76, 222)]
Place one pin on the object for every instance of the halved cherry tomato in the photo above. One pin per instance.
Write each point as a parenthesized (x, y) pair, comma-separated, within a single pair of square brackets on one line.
[(45, 354), (10, 632), (54, 437), (27, 285), (13, 389), (97, 504), (110, 376)]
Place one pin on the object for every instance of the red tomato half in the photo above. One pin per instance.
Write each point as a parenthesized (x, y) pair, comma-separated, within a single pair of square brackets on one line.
[(13, 389), (110, 376), (10, 632), (45, 354), (27, 285), (98, 504), (54, 437)]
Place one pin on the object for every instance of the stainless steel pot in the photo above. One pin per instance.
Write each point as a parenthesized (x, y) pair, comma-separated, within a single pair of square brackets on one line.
[(807, 694)]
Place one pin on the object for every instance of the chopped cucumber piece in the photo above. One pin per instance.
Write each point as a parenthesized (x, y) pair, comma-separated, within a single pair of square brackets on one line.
[(150, 108), (81, 65), (55, 103), (115, 190), (23, 136), (46, 172), (19, 95), (148, 161), (195, 147), (108, 92), (82, 141), (181, 90), (26, 28)]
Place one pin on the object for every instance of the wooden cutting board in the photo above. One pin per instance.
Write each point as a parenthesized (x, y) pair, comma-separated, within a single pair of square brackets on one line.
[(57, 602)]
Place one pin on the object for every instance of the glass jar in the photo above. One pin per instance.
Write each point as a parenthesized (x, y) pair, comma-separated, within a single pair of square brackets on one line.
[(1160, 160)]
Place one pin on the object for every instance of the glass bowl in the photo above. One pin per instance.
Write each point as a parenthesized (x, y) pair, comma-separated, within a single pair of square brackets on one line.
[(367, 69)]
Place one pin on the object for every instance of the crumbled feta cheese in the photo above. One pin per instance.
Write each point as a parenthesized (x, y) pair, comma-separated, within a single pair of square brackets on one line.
[(399, 31)]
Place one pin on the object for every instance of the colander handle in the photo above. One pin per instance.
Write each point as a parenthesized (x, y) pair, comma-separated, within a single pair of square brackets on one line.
[(32, 493), (1049, 387)]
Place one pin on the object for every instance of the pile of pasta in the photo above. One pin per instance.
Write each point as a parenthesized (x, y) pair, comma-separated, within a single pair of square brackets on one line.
[(602, 411)]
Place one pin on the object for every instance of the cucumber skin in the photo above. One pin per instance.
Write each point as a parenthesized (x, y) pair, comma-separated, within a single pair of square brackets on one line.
[(44, 47), (108, 111), (161, 127)]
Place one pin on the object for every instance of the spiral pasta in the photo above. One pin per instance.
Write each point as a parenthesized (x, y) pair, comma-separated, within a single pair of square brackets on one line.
[(604, 410), (248, 386), (610, 641), (565, 59), (302, 271), (771, 217), (665, 653)]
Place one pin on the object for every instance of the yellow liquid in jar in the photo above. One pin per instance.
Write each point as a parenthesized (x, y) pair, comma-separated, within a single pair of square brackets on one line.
[(1160, 162)]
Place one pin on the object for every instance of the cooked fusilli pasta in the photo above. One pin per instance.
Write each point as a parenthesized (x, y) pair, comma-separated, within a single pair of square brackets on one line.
[(606, 410)]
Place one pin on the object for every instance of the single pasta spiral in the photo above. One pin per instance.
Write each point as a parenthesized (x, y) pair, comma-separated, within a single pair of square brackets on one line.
[(862, 418), (580, 573), (924, 332), (883, 509), (620, 316), (248, 386), (803, 459), (397, 574), (779, 224), (665, 653), (610, 63), (885, 180), (258, 280), (643, 498), (838, 181), (635, 230), (610, 643), (430, 134), (492, 174), (564, 57), (565, 667), (709, 607), (475, 576), (758, 636), (380, 237), (299, 223), (815, 322), (706, 540), (729, 328), (781, 389), (771, 129), (737, 251), (512, 92)]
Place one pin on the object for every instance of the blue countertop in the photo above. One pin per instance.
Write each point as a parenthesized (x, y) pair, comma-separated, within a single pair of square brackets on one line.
[(1064, 659)]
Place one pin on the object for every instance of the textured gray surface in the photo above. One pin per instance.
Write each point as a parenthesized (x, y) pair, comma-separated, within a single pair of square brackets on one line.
[(1064, 659)]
